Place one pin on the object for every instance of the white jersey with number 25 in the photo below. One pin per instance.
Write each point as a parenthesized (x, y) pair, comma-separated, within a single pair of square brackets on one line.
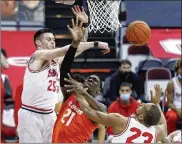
[(41, 88)]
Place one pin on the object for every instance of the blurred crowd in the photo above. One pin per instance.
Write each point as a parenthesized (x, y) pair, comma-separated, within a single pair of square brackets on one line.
[(22, 10), (122, 92)]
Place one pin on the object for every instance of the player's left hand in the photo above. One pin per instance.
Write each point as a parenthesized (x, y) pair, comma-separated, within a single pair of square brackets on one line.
[(104, 46), (80, 13), (75, 86), (158, 92)]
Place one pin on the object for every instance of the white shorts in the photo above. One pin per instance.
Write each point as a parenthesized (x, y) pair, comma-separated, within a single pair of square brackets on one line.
[(34, 127)]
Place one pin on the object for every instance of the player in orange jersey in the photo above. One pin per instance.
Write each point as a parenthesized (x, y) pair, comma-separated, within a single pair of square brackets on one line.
[(72, 126)]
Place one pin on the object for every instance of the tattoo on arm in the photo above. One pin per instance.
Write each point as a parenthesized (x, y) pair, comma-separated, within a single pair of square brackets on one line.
[(85, 38)]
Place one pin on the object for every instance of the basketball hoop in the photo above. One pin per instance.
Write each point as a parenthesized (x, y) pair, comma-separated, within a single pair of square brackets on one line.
[(104, 15)]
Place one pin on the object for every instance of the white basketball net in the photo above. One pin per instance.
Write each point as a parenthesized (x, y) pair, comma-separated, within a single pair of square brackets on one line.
[(104, 15)]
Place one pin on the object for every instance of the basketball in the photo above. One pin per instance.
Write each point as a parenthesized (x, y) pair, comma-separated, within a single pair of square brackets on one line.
[(138, 33)]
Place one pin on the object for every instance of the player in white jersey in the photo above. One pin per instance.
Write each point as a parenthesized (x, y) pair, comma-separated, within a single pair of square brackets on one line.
[(174, 97), (41, 89), (149, 125)]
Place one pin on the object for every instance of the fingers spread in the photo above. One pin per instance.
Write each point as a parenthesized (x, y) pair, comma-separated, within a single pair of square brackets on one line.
[(74, 12), (83, 9), (73, 23), (75, 8), (78, 8), (81, 24), (76, 21), (69, 28), (68, 81)]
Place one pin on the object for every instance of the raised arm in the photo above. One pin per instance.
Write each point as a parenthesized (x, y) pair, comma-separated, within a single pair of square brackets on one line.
[(83, 46), (161, 128), (115, 120), (82, 16)]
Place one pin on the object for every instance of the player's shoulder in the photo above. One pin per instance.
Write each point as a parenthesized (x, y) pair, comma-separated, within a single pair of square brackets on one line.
[(38, 53)]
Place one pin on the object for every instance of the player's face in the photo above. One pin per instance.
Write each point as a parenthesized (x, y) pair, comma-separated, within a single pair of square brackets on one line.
[(125, 68), (93, 84), (47, 41)]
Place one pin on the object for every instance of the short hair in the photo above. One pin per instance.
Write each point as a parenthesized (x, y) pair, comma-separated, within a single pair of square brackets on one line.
[(152, 116), (126, 84), (123, 62), (78, 78), (178, 65), (40, 32)]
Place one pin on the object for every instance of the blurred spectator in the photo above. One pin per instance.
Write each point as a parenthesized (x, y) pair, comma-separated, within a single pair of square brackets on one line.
[(174, 98), (124, 74), (31, 10), (7, 119), (125, 105), (8, 97), (8, 10)]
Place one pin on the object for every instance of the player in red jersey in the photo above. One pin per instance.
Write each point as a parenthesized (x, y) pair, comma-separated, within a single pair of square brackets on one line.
[(149, 125)]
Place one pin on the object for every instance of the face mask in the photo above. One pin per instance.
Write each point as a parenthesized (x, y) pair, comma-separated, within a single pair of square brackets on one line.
[(180, 76), (125, 96)]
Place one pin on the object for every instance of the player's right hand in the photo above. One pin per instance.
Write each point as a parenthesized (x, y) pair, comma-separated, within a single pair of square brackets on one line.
[(104, 46), (77, 30), (158, 92), (80, 13)]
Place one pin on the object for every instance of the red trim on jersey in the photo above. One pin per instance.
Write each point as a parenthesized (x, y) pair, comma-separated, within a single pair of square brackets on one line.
[(36, 109), (127, 125), (36, 71), (53, 62)]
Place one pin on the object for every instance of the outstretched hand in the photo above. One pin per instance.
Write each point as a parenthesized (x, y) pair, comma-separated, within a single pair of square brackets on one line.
[(80, 13), (74, 86), (158, 92), (104, 46), (77, 30)]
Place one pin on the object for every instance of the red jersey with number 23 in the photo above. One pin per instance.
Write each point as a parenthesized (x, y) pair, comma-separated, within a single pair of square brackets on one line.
[(72, 126), (135, 132)]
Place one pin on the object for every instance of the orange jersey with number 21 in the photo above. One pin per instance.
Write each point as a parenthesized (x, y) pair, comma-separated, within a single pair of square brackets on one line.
[(72, 126)]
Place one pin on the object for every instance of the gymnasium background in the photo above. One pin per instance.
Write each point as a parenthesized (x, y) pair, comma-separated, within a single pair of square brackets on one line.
[(21, 18)]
